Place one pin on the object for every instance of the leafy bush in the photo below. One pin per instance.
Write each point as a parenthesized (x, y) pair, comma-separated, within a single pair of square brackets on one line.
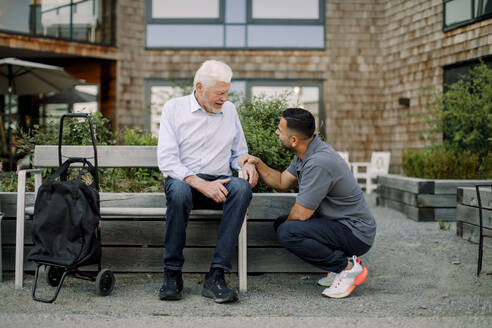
[(77, 132), (463, 115), (438, 163), (259, 118)]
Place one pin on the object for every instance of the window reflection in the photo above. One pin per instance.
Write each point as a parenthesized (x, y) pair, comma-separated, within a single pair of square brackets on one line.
[(285, 9), (80, 99), (483, 7), (54, 18), (159, 95), (458, 11), (80, 20), (185, 9), (15, 15), (306, 97)]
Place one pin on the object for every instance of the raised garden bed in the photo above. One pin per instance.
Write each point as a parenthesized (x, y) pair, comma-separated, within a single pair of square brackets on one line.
[(467, 217), (421, 199)]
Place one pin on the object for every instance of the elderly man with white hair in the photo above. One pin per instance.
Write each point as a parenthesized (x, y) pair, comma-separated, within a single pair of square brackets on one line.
[(200, 140)]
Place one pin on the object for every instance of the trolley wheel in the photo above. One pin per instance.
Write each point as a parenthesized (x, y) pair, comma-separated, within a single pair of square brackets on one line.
[(104, 282), (54, 275)]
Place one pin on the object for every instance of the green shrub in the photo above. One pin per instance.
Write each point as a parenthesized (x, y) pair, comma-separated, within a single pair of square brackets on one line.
[(463, 116), (138, 137), (259, 118), (439, 163)]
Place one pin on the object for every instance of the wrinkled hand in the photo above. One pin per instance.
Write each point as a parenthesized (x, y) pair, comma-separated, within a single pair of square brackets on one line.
[(215, 190), (248, 159), (250, 174)]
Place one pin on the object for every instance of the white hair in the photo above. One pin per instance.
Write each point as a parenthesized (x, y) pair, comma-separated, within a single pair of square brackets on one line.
[(211, 72)]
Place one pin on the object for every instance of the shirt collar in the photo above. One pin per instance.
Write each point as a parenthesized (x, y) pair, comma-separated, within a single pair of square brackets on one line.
[(312, 146), (194, 105)]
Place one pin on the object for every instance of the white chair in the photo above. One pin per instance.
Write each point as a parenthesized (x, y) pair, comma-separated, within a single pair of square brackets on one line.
[(345, 156), (379, 165)]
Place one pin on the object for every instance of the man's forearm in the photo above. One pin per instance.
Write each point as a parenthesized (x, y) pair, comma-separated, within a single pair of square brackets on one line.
[(270, 176), (195, 182)]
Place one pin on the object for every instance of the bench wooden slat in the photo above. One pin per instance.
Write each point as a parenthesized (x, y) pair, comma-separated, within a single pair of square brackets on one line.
[(107, 156), (150, 233), (149, 259), (143, 211)]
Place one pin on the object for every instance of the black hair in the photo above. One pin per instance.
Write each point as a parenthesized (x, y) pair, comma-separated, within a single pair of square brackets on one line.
[(300, 121)]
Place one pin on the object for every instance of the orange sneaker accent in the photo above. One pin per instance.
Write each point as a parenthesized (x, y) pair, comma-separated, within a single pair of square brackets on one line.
[(361, 277)]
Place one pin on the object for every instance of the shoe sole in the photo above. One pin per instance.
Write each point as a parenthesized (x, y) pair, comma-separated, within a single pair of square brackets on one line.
[(361, 277), (323, 284), (329, 284), (207, 293), (171, 297)]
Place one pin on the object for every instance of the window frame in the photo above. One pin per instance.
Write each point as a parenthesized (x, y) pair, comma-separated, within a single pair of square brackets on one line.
[(472, 20), (283, 21), (150, 20), (250, 83)]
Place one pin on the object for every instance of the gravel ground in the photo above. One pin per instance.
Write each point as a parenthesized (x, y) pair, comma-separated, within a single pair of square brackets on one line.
[(419, 276)]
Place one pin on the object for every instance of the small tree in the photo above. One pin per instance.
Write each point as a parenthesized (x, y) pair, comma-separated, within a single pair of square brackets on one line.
[(463, 115)]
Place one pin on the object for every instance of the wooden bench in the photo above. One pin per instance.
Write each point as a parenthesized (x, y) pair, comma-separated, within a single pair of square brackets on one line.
[(113, 205)]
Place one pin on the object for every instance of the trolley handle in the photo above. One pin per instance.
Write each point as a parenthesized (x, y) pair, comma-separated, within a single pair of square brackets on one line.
[(93, 137)]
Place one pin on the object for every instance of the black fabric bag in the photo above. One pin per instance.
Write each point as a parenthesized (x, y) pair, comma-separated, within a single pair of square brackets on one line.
[(66, 219)]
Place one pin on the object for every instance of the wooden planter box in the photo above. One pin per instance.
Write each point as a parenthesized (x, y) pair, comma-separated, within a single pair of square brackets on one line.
[(467, 216), (421, 199), (136, 244)]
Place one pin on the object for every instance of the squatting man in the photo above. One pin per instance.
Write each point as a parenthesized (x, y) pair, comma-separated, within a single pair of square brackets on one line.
[(330, 224), (200, 139)]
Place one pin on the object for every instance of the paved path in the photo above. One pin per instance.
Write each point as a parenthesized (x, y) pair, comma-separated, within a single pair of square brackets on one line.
[(419, 276)]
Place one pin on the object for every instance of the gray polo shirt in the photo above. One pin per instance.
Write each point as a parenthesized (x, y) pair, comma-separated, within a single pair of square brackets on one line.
[(327, 185)]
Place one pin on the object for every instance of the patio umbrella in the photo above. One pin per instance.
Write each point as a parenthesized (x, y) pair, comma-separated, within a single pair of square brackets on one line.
[(69, 97), (22, 77)]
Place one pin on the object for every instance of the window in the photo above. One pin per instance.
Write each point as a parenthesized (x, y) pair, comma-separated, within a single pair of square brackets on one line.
[(307, 11), (157, 93), (16, 15), (302, 94), (77, 20), (462, 12), (180, 11), (80, 99), (305, 94), (235, 24)]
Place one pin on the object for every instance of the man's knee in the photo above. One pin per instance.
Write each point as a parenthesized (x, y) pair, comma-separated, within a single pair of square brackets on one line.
[(178, 192), (286, 232), (238, 186)]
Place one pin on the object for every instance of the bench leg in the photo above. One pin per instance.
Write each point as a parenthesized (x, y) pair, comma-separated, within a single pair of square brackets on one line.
[(1, 267), (243, 257), (19, 234)]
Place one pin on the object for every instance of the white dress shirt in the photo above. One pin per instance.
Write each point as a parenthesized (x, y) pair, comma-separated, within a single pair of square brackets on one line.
[(192, 141)]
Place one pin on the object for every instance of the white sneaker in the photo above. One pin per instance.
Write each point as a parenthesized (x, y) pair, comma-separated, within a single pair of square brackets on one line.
[(346, 281), (326, 281), (330, 276)]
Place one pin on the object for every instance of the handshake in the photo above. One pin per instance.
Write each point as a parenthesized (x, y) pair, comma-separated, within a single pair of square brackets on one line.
[(249, 159)]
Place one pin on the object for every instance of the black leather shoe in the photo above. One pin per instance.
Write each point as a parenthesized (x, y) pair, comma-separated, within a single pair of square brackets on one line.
[(215, 287), (172, 288)]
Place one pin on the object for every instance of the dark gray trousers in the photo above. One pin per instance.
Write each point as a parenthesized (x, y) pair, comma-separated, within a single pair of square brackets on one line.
[(320, 241)]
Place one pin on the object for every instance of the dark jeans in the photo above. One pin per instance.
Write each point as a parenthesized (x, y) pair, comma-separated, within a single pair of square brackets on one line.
[(181, 199), (321, 242)]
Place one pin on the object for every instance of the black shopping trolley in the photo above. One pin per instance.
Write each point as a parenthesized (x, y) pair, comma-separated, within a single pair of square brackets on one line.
[(66, 224)]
